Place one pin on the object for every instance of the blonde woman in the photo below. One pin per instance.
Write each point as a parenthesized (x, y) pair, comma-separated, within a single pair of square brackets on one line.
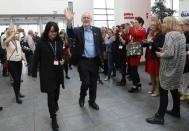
[(172, 60), (14, 58), (156, 38)]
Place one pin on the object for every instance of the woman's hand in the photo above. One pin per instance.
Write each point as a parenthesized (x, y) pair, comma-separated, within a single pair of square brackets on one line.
[(158, 54), (25, 63), (187, 52)]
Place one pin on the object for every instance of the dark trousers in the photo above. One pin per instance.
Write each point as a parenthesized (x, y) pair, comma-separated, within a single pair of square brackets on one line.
[(164, 101), (5, 71), (66, 64), (15, 69), (4, 63), (129, 70), (106, 67), (52, 99), (123, 69), (29, 57), (134, 75), (111, 67), (88, 71)]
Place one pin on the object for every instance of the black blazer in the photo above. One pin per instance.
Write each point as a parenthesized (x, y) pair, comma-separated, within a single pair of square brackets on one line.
[(158, 43), (50, 75), (78, 35)]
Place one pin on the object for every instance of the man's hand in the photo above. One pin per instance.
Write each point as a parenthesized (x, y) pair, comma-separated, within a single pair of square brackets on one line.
[(69, 15)]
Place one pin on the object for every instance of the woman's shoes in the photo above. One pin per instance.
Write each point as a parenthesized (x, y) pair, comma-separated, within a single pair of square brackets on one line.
[(107, 78), (154, 94), (67, 77), (156, 119), (18, 100), (135, 88), (54, 124)]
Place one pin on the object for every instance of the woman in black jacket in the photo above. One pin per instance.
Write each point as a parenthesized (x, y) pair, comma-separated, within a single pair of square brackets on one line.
[(49, 55)]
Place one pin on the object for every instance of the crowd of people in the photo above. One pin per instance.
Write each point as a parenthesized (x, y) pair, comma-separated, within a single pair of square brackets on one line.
[(110, 50)]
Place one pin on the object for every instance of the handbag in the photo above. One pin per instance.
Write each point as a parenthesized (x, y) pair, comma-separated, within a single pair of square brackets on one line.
[(134, 49)]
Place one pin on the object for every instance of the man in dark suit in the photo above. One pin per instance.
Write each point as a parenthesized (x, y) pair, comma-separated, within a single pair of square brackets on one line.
[(89, 55)]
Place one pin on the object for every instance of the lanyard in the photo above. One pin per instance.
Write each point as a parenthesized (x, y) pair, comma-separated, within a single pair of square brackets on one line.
[(14, 43), (53, 49)]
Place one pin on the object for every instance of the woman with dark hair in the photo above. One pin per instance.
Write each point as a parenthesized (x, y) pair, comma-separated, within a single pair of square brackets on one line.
[(49, 54), (67, 53)]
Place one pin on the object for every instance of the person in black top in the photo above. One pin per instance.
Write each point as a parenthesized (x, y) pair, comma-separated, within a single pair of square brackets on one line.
[(184, 25), (49, 55)]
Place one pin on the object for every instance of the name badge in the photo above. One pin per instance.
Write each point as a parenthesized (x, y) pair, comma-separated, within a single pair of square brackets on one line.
[(17, 56), (120, 47), (56, 63)]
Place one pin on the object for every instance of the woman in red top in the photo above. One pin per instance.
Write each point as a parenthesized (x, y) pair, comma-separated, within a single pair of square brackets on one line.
[(153, 65), (138, 34)]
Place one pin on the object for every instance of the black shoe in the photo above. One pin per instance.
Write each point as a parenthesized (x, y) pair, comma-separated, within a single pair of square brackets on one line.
[(21, 95), (172, 113), (94, 105), (135, 89), (156, 119), (67, 77), (55, 126), (114, 75), (81, 102), (129, 78), (150, 83), (18, 100), (100, 82), (121, 83), (132, 90), (1, 108)]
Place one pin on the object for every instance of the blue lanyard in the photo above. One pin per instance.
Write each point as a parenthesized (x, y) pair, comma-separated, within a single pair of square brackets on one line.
[(53, 49)]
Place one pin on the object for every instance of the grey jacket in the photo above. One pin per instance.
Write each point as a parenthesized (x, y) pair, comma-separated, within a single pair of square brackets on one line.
[(172, 60)]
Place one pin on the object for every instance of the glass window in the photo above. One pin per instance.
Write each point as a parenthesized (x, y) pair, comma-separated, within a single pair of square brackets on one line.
[(99, 11), (110, 3), (104, 13), (100, 23), (99, 4), (176, 7)]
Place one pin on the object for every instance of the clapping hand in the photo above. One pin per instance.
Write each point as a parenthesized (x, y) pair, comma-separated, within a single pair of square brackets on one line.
[(69, 14)]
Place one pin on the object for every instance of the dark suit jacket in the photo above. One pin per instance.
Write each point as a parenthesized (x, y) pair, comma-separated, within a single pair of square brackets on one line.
[(78, 35), (50, 75), (158, 43)]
